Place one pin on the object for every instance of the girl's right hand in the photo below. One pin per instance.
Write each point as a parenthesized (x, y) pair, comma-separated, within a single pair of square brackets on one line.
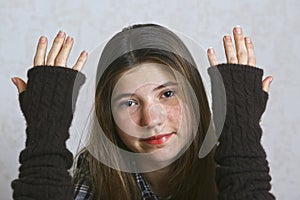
[(57, 56)]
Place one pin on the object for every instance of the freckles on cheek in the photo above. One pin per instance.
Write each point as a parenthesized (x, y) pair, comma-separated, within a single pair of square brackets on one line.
[(174, 113)]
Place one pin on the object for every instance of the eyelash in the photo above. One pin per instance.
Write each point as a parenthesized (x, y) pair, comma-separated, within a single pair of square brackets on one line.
[(168, 96)]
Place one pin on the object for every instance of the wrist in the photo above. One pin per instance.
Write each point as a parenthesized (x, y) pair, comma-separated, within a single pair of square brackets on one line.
[(240, 89)]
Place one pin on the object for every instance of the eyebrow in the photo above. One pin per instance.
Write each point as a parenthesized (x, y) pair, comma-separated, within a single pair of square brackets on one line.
[(167, 84)]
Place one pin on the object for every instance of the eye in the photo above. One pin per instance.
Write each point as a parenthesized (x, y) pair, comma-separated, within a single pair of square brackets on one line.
[(129, 103), (168, 94)]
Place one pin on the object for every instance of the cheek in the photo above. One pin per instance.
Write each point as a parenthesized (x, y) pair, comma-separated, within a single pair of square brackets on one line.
[(123, 120), (174, 113), (120, 124)]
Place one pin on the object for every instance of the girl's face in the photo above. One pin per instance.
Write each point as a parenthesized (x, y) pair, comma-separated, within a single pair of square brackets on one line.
[(148, 111)]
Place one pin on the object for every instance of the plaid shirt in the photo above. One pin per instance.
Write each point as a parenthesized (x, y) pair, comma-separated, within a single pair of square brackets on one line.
[(82, 180), (83, 192)]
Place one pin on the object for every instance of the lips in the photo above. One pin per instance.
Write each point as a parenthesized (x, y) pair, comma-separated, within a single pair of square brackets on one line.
[(158, 139)]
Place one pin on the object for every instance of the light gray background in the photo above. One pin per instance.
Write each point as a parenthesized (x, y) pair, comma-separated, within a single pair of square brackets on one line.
[(273, 26)]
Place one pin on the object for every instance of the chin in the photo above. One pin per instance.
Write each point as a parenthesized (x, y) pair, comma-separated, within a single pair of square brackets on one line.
[(168, 154)]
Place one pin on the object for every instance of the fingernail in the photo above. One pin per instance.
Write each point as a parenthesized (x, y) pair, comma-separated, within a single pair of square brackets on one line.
[(43, 39), (14, 80), (238, 30), (270, 80), (248, 40), (210, 50), (227, 37), (60, 34), (84, 53), (69, 39)]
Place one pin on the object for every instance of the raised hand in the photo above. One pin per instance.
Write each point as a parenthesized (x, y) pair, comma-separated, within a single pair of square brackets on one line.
[(57, 56), (243, 53)]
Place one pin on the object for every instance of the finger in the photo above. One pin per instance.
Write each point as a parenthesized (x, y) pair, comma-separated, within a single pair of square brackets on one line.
[(80, 61), (40, 54), (229, 50), (19, 83), (250, 50), (212, 58), (56, 47), (266, 83), (240, 46), (62, 57)]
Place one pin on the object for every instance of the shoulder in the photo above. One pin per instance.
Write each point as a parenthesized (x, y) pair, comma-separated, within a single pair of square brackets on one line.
[(82, 176), (81, 167)]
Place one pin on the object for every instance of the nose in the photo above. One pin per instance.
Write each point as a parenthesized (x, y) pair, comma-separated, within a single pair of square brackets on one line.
[(152, 115)]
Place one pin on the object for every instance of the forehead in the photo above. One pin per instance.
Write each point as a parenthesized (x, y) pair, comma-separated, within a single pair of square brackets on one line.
[(144, 74)]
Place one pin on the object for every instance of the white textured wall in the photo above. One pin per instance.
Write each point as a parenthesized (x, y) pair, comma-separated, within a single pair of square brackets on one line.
[(273, 25)]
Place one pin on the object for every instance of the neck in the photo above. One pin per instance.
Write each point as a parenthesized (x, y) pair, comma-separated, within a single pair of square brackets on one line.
[(158, 181)]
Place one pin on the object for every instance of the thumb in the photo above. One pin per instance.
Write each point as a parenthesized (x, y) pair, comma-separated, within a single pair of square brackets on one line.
[(19, 83), (266, 83)]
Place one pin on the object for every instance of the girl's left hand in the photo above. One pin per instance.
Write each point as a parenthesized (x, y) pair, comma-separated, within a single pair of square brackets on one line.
[(242, 54)]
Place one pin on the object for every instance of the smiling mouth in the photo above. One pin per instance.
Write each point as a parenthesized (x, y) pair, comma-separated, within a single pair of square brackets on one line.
[(158, 139)]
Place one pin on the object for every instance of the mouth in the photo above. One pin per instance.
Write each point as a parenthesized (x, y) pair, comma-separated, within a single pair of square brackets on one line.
[(158, 139)]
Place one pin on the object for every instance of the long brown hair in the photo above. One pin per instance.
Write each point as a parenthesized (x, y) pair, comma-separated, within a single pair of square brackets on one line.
[(190, 177)]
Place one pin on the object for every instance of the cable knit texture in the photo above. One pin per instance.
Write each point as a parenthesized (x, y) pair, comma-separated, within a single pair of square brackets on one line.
[(48, 104), (242, 171)]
